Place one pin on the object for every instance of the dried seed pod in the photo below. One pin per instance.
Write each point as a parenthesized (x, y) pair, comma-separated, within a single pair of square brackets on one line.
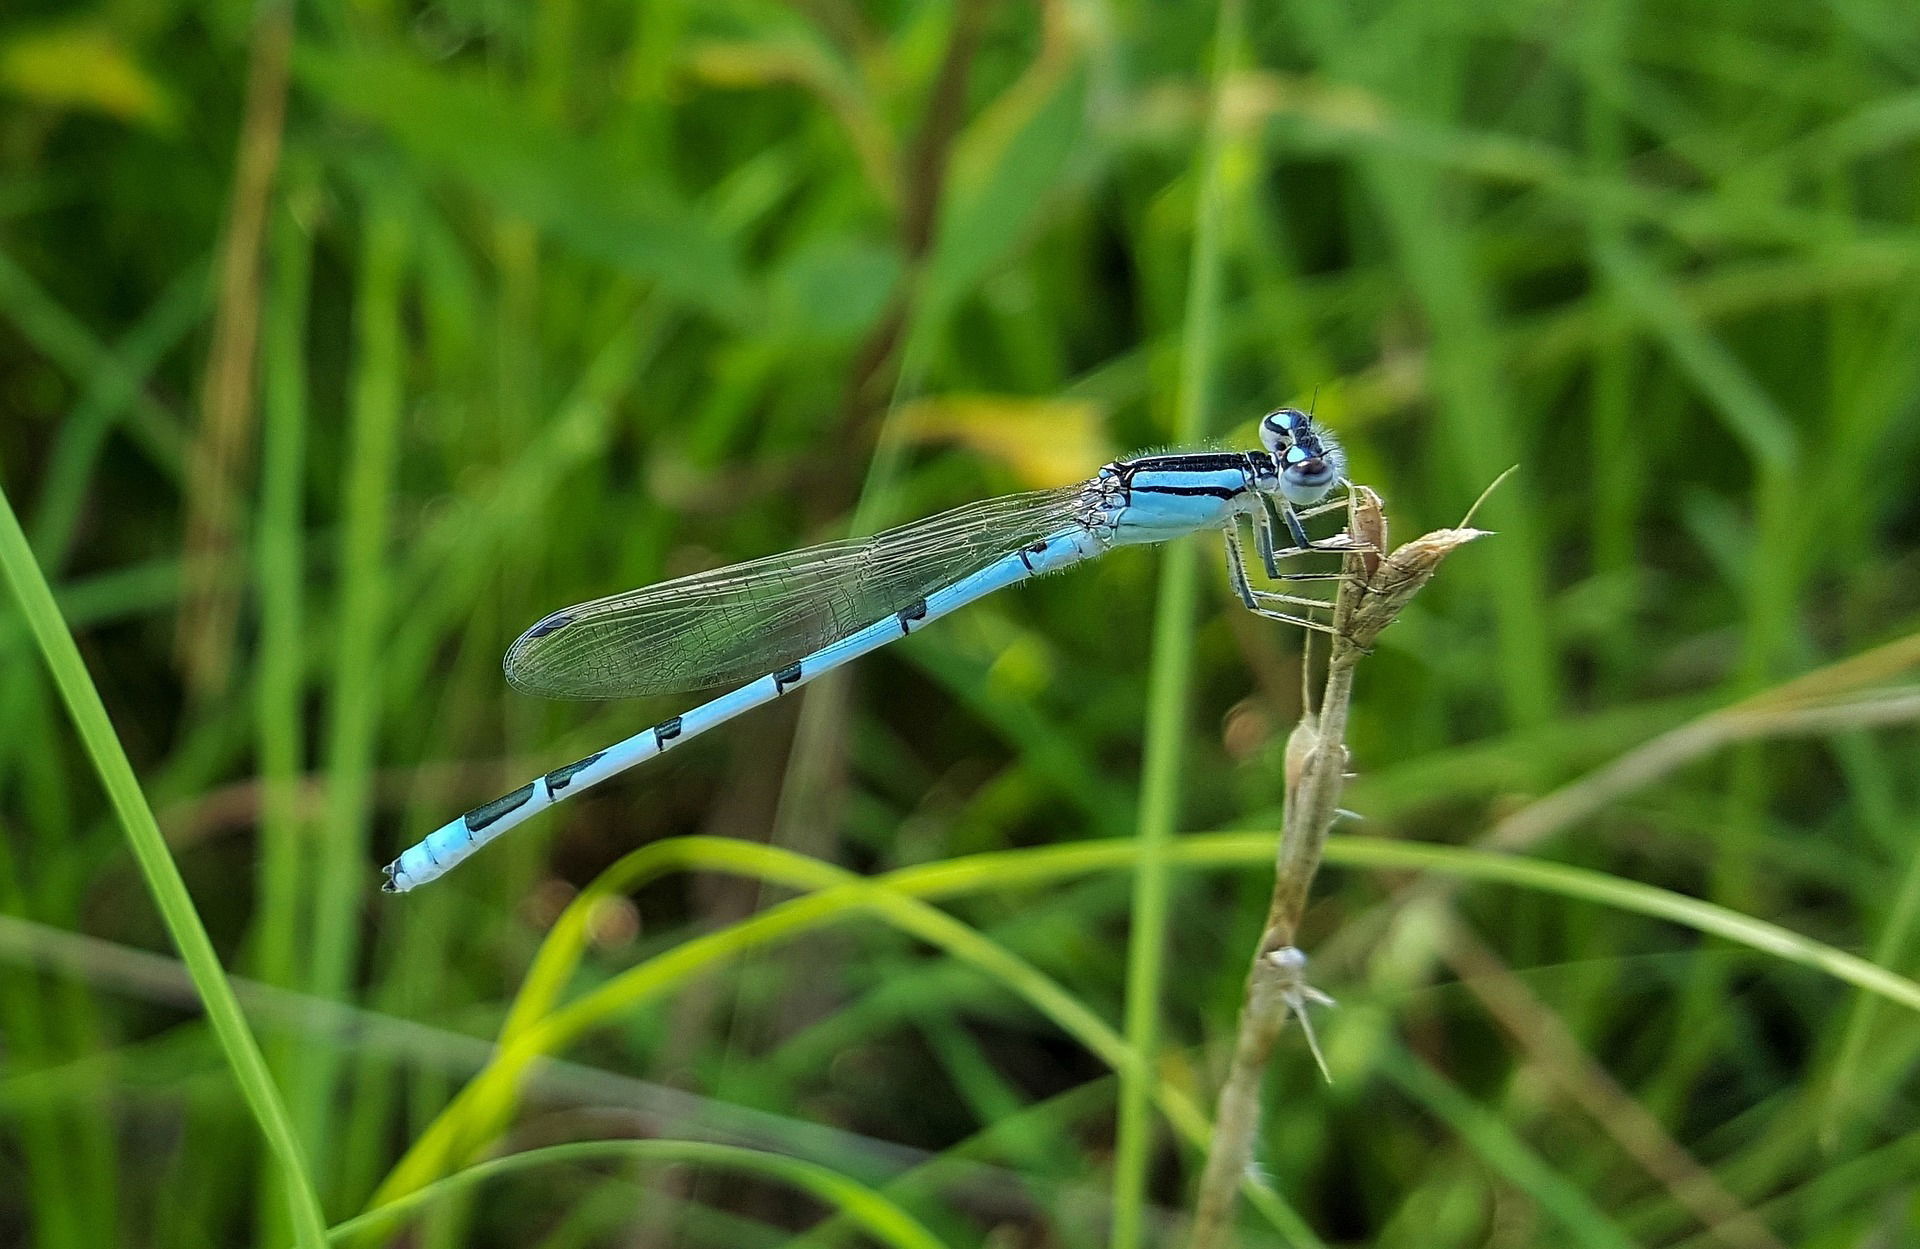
[(1367, 522), (1400, 576)]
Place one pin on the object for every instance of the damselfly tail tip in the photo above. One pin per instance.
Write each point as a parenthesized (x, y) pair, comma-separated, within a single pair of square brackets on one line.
[(392, 883)]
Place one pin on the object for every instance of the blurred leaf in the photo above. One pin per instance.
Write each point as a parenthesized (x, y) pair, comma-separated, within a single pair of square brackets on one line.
[(832, 290), (589, 195), (1046, 442), (1495, 1142), (798, 56), (1173, 112), (83, 65), (1004, 166)]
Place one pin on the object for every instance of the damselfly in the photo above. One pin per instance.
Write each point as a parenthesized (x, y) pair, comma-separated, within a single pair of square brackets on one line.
[(787, 619)]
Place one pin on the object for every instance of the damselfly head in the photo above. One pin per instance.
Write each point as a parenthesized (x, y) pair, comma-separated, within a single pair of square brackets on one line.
[(1309, 459)]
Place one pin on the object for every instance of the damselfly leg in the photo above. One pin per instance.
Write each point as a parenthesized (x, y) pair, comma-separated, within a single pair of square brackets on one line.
[(1266, 535), (1262, 603), (1278, 514), (1275, 605)]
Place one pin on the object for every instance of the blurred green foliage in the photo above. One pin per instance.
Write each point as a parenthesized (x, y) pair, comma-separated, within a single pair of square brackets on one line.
[(337, 344)]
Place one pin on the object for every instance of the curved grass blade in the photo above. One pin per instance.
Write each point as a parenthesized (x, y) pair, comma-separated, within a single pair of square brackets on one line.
[(483, 1106), (536, 1027), (169, 891), (865, 1208)]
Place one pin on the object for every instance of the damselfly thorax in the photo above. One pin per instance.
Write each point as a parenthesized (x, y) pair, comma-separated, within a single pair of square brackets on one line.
[(1157, 497)]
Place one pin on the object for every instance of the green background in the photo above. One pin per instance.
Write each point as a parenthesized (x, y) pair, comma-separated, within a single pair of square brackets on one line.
[(339, 344)]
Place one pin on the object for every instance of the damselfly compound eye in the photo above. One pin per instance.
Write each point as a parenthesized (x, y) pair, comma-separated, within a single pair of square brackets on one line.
[(1279, 430)]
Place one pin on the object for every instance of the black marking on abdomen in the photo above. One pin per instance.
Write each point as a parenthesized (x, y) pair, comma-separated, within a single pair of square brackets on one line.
[(552, 624), (917, 610), (785, 677), (560, 778), (481, 816), (1038, 548), (664, 732)]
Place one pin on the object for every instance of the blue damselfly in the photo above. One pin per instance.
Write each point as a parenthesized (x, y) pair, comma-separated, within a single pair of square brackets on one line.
[(779, 622)]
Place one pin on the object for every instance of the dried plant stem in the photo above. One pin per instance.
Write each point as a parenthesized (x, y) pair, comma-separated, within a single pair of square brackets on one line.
[(1311, 804), (1237, 1118), (1376, 588), (1557, 1052), (210, 607)]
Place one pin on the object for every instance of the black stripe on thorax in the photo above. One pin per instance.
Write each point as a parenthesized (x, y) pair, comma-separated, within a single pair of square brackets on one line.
[(1211, 492), (1191, 462), (1129, 471)]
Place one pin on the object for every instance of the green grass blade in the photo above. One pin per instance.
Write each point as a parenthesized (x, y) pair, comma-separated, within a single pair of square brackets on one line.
[(481, 1107), (65, 340), (162, 875), (280, 919), (109, 394), (862, 1206), (835, 895), (365, 600), (1046, 865), (1487, 1132), (1588, 885), (1170, 676), (1843, 1094), (593, 195)]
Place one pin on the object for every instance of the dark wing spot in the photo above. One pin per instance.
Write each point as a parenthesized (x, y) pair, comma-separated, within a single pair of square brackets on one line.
[(552, 624)]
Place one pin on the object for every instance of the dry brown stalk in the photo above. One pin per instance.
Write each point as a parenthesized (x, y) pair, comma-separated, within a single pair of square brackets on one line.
[(1543, 1036), (1379, 584), (210, 605)]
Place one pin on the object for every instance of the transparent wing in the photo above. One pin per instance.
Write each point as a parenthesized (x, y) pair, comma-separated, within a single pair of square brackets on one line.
[(735, 623)]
